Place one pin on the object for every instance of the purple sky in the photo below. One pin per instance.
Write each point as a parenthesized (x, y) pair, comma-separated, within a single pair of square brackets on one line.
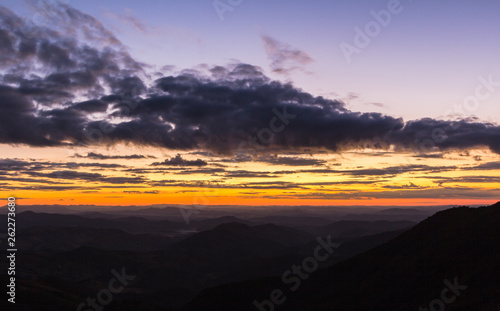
[(425, 62)]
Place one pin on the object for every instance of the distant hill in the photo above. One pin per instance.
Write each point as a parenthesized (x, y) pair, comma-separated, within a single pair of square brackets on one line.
[(131, 224), (356, 228), (69, 238), (70, 257), (66, 258), (459, 245)]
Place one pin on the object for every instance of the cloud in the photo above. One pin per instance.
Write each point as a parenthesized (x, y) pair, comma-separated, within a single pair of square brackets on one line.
[(98, 156), (429, 156), (15, 165), (290, 161), (270, 185), (249, 174), (484, 167), (284, 58), (30, 180), (204, 171), (179, 161), (336, 183), (75, 85), (408, 186), (464, 179), (90, 177), (387, 171), (449, 193), (142, 192), (69, 175), (48, 188), (380, 105), (129, 20)]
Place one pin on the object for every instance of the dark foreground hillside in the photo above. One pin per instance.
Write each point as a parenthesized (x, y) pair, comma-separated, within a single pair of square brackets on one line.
[(64, 260), (450, 261)]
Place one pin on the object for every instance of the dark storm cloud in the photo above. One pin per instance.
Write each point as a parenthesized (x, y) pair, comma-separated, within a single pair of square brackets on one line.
[(91, 106), (49, 67), (232, 109), (426, 133)]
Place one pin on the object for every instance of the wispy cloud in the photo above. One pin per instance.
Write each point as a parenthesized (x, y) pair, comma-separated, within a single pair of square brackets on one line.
[(380, 105), (129, 20), (284, 57), (98, 156)]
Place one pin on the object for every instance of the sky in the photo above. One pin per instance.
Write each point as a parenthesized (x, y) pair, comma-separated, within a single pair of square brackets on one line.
[(236, 102)]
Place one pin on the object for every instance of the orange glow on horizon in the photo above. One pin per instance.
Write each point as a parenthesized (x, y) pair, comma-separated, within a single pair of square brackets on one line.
[(222, 201), (365, 178)]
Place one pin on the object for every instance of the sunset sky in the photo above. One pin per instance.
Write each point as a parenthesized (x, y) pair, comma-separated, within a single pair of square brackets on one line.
[(250, 102)]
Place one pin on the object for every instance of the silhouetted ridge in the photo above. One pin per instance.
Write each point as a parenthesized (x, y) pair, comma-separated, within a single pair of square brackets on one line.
[(405, 273)]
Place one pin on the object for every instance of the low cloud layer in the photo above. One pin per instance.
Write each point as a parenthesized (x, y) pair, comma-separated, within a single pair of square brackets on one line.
[(98, 156), (179, 161), (79, 86)]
